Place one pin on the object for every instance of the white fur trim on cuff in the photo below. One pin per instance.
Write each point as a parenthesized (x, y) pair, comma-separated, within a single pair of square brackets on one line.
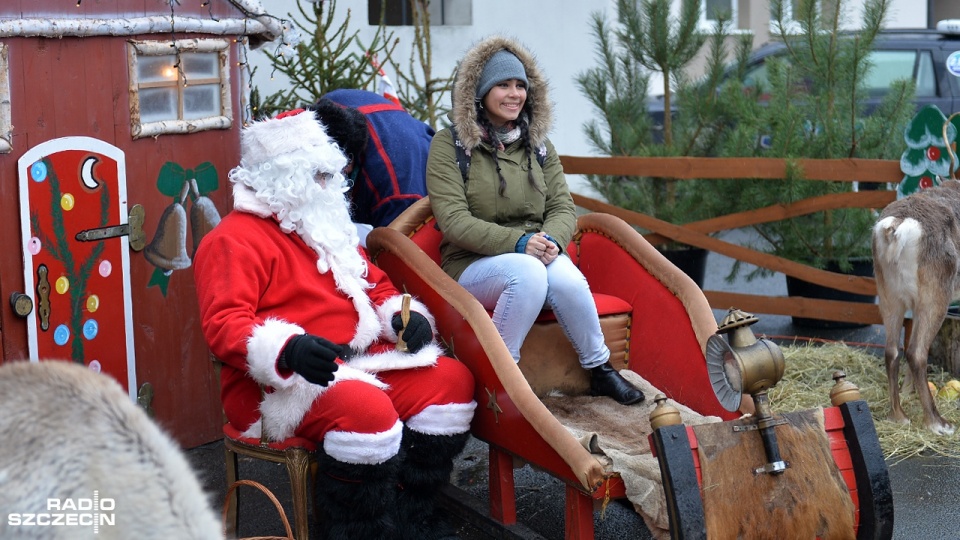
[(363, 448), (392, 305), (284, 408), (448, 419), (263, 349), (386, 361)]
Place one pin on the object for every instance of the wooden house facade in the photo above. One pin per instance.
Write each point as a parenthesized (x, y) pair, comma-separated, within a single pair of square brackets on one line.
[(119, 121)]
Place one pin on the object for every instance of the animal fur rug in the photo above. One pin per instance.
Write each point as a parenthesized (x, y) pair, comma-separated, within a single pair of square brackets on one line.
[(617, 435)]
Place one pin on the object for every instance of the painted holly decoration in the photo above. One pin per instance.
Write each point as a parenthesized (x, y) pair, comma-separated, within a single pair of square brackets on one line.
[(168, 250), (926, 161)]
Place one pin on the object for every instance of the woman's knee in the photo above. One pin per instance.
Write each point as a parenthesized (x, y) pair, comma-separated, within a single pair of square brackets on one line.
[(568, 281), (528, 275)]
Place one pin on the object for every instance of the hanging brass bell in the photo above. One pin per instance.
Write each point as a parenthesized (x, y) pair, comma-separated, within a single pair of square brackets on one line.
[(203, 215), (168, 249)]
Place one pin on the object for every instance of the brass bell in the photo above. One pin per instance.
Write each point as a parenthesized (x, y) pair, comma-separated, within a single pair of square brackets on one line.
[(203, 215), (663, 414), (844, 390), (168, 249)]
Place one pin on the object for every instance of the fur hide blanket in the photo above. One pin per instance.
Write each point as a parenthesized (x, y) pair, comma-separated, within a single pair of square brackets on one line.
[(617, 435)]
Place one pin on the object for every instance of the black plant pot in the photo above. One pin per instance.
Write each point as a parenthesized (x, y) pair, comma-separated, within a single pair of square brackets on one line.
[(799, 287), (692, 261)]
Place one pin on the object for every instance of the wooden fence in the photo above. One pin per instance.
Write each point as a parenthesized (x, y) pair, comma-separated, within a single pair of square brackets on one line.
[(699, 233)]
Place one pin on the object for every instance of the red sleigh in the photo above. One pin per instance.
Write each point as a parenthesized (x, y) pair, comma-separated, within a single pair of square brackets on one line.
[(656, 322)]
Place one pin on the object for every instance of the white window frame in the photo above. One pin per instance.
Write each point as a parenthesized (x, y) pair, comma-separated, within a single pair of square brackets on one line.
[(224, 120), (791, 26), (6, 125), (708, 25)]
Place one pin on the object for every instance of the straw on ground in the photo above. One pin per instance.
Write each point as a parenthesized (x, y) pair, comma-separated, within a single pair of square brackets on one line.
[(808, 378)]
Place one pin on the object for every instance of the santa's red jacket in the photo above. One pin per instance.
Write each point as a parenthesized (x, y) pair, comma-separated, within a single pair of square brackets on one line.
[(253, 279)]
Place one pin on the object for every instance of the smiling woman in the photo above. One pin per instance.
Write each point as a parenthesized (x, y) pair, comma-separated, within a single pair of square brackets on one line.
[(508, 216)]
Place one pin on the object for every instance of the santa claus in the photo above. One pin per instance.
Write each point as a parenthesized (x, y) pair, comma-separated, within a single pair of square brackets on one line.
[(290, 303)]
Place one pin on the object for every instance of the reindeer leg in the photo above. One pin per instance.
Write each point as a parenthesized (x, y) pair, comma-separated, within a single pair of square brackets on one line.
[(927, 321), (892, 360), (893, 313), (907, 386)]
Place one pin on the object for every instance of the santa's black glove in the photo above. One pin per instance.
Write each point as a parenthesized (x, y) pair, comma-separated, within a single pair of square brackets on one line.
[(314, 358), (417, 333)]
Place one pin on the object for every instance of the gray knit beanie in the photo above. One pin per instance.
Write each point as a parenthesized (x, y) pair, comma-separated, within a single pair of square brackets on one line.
[(502, 66)]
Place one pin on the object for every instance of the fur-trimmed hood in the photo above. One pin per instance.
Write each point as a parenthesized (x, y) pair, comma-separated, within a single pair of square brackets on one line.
[(464, 113)]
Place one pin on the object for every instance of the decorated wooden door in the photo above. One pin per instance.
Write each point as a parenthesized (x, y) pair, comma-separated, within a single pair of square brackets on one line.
[(76, 234)]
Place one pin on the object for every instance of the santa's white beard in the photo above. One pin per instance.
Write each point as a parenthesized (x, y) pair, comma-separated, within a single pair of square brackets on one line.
[(319, 214)]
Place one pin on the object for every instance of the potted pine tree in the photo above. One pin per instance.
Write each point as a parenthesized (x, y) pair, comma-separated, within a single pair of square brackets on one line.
[(815, 111), (628, 52)]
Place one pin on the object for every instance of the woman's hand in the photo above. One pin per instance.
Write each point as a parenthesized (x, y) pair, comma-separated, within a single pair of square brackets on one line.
[(544, 250)]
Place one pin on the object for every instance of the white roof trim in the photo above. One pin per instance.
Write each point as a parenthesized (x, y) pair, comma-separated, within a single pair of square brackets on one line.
[(58, 28)]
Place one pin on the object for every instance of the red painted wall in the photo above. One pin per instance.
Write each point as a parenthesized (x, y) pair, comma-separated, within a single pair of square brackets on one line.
[(79, 87)]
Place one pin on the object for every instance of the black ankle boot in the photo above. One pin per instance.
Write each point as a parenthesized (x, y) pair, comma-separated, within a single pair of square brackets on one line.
[(607, 381), (426, 467)]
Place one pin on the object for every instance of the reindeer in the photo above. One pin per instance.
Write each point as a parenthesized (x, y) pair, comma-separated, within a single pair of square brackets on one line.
[(78, 459), (916, 258)]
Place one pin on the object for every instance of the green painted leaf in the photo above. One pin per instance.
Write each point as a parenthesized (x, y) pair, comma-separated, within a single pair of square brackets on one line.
[(159, 279), (171, 178), (206, 175)]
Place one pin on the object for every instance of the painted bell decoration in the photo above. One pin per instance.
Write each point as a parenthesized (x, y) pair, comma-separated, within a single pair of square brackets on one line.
[(203, 215), (168, 249)]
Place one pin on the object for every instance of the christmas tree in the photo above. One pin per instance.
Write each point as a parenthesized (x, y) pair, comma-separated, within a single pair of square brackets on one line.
[(926, 162)]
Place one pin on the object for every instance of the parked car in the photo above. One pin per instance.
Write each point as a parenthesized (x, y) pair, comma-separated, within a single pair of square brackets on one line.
[(930, 57)]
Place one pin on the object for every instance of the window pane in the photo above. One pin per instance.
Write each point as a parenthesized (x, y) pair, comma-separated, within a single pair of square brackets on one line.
[(455, 13), (791, 10), (201, 101), (395, 12), (926, 78), (158, 104), (205, 65), (889, 66), (795, 10), (442, 12), (151, 69), (714, 8), (436, 9)]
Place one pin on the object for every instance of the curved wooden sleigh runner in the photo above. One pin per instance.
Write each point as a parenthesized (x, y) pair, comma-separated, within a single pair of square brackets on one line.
[(656, 322)]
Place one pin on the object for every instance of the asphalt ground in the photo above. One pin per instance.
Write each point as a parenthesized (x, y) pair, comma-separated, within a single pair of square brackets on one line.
[(925, 489)]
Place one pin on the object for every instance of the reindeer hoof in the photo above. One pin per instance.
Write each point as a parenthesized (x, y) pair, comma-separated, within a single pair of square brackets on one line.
[(941, 428)]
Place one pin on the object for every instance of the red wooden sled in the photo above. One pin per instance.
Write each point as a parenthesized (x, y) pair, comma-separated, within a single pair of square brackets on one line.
[(656, 322)]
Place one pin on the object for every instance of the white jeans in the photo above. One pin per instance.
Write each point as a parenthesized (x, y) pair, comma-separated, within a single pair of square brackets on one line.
[(517, 287)]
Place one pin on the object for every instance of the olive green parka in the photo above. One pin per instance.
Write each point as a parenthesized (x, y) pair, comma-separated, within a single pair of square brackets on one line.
[(475, 218)]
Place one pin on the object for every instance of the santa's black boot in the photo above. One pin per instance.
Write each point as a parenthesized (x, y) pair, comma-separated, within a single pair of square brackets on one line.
[(356, 502), (426, 467)]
